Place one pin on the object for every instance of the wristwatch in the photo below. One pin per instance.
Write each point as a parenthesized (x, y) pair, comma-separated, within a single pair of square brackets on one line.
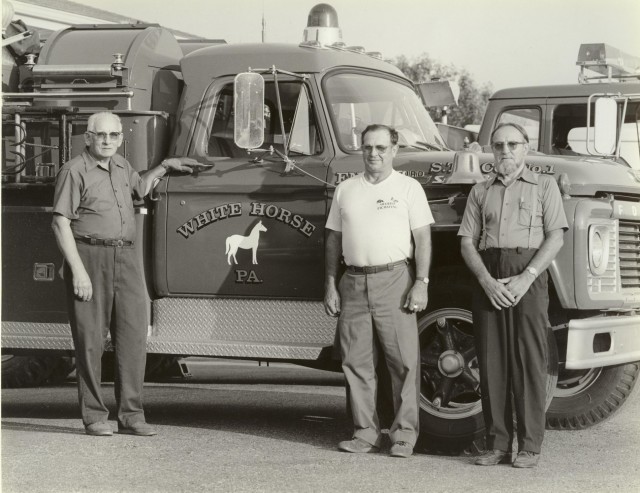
[(533, 271), (423, 279)]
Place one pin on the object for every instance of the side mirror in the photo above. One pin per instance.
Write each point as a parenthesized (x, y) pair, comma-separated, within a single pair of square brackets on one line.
[(440, 93), (248, 108), (605, 126), (455, 137)]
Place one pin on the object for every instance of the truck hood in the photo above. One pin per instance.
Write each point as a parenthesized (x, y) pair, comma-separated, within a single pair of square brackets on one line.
[(588, 176)]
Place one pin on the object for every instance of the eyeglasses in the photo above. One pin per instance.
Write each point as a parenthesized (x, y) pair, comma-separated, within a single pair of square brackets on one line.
[(499, 146), (379, 149), (105, 135)]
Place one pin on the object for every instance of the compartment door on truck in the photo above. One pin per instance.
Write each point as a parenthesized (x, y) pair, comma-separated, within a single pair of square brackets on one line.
[(248, 225)]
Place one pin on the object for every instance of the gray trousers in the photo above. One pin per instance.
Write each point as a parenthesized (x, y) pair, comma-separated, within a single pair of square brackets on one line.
[(118, 306), (371, 308)]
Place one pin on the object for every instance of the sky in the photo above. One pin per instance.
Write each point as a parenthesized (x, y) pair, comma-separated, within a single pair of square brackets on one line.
[(506, 43)]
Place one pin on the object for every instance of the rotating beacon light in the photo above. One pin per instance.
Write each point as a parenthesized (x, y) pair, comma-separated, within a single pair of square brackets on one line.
[(322, 26)]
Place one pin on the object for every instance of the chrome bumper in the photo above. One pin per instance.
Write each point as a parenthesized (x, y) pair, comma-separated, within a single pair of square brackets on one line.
[(603, 341)]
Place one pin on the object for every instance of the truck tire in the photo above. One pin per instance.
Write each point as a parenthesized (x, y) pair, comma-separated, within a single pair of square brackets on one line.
[(451, 419), (34, 371), (584, 398)]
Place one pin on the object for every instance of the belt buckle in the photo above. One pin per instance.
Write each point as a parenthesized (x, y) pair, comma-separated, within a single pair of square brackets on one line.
[(119, 243)]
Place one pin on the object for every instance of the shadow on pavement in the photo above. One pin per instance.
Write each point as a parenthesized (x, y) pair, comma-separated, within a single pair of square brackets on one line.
[(11, 425), (283, 412)]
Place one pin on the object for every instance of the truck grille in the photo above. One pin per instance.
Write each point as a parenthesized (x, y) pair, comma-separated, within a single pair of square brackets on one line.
[(629, 254)]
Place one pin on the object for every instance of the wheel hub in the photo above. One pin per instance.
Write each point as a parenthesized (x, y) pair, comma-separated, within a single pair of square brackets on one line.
[(451, 363)]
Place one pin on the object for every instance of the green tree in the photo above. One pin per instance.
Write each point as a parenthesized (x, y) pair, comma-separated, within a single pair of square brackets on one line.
[(472, 101)]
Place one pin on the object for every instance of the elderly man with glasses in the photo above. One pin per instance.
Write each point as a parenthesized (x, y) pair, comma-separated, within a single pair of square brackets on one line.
[(512, 229), (373, 219), (94, 225)]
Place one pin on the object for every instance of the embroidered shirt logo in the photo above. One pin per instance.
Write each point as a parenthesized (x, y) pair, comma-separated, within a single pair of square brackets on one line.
[(387, 204)]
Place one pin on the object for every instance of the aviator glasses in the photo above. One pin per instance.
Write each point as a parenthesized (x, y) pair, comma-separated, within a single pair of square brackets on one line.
[(105, 135), (511, 145), (379, 149)]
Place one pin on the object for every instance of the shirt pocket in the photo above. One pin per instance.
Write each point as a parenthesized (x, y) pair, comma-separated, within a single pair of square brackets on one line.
[(99, 196), (525, 213)]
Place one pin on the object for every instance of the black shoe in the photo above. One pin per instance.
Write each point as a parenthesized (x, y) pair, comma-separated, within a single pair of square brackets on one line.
[(526, 459), (140, 429), (492, 458), (100, 429), (401, 449), (358, 446)]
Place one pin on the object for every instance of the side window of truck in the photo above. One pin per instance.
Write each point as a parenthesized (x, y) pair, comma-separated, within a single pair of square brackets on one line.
[(569, 133), (527, 117), (295, 102), (568, 130)]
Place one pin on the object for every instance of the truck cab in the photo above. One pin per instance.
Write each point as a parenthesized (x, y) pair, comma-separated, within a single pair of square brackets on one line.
[(560, 119)]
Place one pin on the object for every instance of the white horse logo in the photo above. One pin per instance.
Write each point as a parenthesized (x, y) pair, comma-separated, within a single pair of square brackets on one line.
[(247, 242)]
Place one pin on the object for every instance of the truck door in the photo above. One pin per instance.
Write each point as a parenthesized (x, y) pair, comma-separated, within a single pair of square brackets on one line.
[(247, 224)]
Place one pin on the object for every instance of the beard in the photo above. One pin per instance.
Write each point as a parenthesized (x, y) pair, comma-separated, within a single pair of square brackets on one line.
[(507, 167)]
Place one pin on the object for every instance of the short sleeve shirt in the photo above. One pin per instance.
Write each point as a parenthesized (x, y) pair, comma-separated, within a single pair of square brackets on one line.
[(98, 202), (519, 215), (376, 220)]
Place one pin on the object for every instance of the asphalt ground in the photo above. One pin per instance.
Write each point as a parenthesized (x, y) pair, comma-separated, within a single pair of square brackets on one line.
[(243, 427)]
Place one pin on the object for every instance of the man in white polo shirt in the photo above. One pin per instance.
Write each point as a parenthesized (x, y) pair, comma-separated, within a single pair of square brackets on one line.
[(373, 219)]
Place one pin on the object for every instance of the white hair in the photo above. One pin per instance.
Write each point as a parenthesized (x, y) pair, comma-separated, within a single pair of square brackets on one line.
[(91, 124)]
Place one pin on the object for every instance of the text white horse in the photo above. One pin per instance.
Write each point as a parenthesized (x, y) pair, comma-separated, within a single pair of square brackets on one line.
[(247, 242)]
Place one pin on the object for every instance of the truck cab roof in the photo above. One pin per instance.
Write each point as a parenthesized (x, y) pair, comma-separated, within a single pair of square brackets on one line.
[(567, 90), (216, 61)]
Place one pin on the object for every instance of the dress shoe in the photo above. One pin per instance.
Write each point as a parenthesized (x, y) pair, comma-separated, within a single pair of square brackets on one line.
[(492, 458), (526, 459), (401, 449), (100, 429), (140, 429), (358, 446)]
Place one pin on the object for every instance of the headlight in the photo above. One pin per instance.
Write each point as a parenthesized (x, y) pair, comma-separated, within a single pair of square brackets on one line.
[(599, 237)]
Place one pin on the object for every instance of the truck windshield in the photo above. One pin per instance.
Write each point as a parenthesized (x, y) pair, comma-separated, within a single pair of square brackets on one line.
[(358, 100)]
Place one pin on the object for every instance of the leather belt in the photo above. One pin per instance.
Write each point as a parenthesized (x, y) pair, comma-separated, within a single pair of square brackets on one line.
[(372, 269), (517, 250), (105, 242)]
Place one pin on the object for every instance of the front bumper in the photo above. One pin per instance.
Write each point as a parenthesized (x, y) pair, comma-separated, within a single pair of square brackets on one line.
[(603, 341)]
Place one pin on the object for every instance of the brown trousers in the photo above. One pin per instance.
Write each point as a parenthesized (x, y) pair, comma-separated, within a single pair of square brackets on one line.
[(511, 344), (118, 306), (371, 308)]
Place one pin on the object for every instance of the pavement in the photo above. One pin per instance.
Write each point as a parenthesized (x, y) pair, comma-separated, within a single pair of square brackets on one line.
[(240, 427)]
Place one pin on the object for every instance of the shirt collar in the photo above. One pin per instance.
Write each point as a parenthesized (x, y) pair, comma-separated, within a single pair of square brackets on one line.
[(526, 175), (91, 163)]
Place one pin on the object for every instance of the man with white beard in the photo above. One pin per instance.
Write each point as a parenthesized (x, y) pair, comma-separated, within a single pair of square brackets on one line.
[(512, 229)]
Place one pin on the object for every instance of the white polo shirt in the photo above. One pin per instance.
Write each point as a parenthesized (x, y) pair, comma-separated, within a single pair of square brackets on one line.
[(376, 219)]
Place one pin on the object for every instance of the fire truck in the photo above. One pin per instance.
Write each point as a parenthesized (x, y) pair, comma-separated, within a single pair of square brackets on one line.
[(234, 253), (594, 121)]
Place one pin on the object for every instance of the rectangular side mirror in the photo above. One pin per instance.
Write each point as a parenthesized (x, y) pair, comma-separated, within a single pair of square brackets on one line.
[(440, 93), (605, 126), (248, 107)]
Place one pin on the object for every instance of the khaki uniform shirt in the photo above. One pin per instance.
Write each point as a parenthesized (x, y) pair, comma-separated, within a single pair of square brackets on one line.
[(98, 202), (519, 215)]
